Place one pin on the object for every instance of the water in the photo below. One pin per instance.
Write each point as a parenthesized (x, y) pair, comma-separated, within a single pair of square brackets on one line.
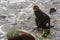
[(22, 14)]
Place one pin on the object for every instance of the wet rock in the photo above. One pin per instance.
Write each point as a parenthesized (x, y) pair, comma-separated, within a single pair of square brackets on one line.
[(19, 35), (2, 17)]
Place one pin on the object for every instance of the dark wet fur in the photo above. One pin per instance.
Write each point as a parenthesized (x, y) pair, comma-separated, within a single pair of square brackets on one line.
[(42, 19), (52, 10)]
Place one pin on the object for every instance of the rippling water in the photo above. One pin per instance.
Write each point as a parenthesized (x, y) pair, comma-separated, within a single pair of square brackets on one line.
[(19, 15)]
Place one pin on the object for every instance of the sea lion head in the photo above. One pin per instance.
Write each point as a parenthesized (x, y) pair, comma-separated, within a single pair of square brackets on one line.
[(35, 8), (52, 10)]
